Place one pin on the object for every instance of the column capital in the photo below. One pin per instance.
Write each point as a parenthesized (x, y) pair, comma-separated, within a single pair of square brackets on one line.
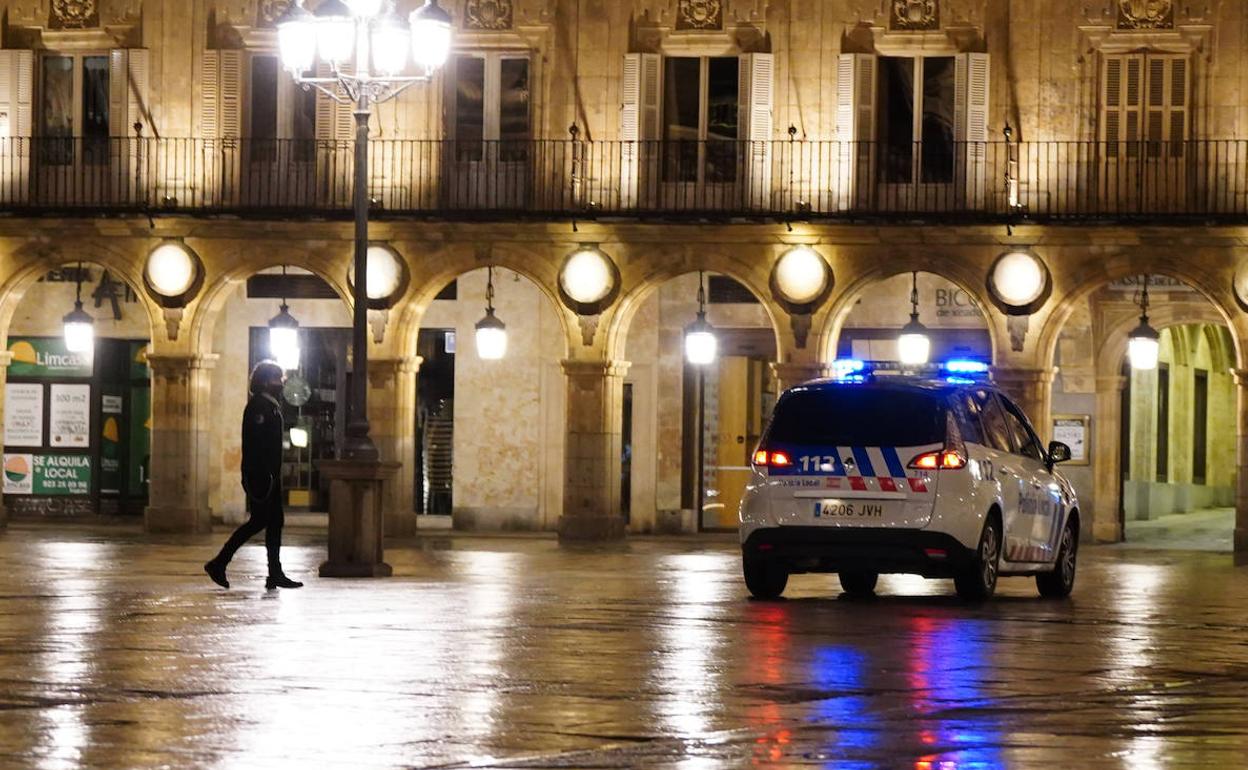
[(397, 364), (166, 364), (1110, 382), (581, 369), (1240, 376), (1023, 374), (794, 372)]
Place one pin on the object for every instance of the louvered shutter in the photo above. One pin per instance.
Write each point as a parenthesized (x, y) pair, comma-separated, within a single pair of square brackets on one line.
[(970, 130), (17, 73), (127, 91), (1121, 99), (209, 95), (755, 103), (855, 128), (1165, 111), (231, 95), (639, 124)]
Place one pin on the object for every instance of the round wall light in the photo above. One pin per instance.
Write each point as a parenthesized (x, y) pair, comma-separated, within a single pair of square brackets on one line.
[(172, 273), (801, 279), (588, 280), (387, 276), (1018, 282)]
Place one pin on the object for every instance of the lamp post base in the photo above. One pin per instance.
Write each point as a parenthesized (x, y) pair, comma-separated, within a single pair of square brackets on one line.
[(356, 517)]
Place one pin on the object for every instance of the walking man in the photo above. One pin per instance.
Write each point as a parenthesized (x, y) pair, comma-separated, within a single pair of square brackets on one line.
[(262, 477)]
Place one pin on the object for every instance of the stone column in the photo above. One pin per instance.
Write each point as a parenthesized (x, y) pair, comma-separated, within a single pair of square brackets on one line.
[(1031, 389), (6, 358), (181, 402), (591, 475), (790, 373), (1106, 449), (392, 415), (1241, 461)]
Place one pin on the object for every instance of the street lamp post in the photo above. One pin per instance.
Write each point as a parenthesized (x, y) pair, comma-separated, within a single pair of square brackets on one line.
[(380, 42), (371, 35)]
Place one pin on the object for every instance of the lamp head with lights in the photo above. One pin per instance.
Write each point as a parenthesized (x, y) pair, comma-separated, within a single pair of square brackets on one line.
[(491, 332), (79, 330), (914, 346), (284, 339), (701, 346), (1144, 342), (334, 28), (431, 35), (296, 38)]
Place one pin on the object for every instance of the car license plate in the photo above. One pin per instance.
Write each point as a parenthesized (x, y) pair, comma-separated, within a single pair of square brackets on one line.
[(847, 509)]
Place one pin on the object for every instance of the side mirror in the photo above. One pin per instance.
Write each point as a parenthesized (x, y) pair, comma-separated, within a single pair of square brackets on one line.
[(1058, 452)]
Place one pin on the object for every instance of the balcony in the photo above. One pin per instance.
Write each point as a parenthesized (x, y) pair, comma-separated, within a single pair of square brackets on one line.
[(814, 180)]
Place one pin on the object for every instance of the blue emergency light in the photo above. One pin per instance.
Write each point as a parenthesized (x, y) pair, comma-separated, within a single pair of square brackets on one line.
[(965, 366), (849, 370)]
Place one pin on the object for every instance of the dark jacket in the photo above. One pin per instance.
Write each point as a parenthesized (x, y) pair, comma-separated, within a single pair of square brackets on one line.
[(262, 447)]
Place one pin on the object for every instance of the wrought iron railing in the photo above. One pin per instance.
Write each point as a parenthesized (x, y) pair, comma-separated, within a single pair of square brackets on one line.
[(1205, 179)]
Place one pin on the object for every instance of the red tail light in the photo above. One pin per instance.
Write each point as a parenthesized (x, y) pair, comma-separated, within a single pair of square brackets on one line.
[(946, 459), (765, 459)]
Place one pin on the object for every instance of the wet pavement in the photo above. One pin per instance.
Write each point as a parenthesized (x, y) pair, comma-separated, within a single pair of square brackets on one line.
[(116, 651)]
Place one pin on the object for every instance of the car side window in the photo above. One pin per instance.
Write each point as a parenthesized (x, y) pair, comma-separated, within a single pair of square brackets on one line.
[(967, 412), (1028, 444), (992, 420)]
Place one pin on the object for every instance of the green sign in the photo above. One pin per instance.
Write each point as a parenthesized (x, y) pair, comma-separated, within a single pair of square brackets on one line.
[(138, 361), (111, 416), (140, 440), (47, 357), (47, 475)]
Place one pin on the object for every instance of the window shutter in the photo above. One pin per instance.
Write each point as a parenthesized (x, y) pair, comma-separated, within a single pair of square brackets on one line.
[(210, 95), (138, 108), (970, 128), (855, 127), (231, 94), (639, 121), (17, 73), (118, 87), (755, 103)]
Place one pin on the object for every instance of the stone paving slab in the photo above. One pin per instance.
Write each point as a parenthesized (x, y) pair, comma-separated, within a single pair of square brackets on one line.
[(116, 652)]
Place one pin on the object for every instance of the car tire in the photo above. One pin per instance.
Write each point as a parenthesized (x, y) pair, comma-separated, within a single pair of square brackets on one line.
[(859, 583), (765, 578), (979, 581), (1061, 581)]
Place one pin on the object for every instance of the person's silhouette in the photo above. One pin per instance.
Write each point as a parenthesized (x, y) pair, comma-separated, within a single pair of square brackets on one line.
[(262, 477)]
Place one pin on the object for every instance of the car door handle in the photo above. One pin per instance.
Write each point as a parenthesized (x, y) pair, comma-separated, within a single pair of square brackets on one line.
[(1007, 472)]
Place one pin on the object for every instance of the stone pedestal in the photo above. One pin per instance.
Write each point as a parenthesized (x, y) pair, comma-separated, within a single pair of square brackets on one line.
[(790, 373), (356, 501), (392, 415), (181, 400), (591, 497)]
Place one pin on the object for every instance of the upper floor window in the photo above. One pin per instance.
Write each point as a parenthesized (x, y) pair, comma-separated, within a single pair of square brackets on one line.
[(490, 107), (1144, 105), (280, 114), (74, 105), (915, 126), (701, 109)]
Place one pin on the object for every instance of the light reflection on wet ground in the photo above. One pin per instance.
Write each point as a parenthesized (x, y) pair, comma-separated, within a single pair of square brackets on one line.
[(115, 651)]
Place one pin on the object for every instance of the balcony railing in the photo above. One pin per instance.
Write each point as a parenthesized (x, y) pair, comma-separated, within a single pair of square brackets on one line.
[(978, 181)]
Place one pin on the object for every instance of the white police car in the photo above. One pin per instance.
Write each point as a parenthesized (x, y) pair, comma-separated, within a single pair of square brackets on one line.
[(941, 478)]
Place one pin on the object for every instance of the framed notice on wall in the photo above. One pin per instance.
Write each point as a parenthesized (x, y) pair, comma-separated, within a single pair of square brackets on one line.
[(1072, 430), (23, 414), (70, 422)]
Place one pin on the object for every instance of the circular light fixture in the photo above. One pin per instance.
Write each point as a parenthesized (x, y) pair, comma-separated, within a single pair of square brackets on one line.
[(801, 276), (1018, 282), (171, 270), (588, 280), (387, 276)]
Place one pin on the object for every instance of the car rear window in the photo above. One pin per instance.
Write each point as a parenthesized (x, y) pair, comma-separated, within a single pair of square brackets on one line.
[(858, 416)]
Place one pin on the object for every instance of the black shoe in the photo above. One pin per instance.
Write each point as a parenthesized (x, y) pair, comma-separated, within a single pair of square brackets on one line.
[(281, 581), (216, 571)]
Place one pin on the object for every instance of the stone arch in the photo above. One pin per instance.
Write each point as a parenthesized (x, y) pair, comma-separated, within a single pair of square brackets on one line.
[(966, 276), (442, 263), (42, 259), (644, 285)]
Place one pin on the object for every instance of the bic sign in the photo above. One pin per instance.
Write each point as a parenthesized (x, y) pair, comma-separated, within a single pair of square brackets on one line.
[(955, 303)]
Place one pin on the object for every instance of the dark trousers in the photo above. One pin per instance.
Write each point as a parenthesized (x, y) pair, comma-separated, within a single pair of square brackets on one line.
[(264, 514)]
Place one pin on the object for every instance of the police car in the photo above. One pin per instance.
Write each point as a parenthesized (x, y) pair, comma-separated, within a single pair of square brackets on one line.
[(940, 477)]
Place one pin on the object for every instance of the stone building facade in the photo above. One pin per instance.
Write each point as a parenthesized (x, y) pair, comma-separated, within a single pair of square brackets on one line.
[(1106, 140)]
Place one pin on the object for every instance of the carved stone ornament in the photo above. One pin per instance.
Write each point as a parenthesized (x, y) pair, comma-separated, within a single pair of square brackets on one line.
[(914, 15), (269, 11), (489, 15), (74, 14), (700, 14), (1145, 14)]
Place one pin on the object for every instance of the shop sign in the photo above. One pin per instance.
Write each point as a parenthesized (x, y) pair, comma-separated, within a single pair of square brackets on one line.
[(47, 357), (49, 475), (110, 444), (71, 416), (23, 414)]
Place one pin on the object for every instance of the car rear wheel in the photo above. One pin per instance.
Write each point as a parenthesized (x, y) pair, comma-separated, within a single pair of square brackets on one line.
[(859, 583), (979, 581), (766, 579), (1061, 581)]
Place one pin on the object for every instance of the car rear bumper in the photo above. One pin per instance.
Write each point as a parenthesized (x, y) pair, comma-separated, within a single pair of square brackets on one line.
[(838, 549)]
